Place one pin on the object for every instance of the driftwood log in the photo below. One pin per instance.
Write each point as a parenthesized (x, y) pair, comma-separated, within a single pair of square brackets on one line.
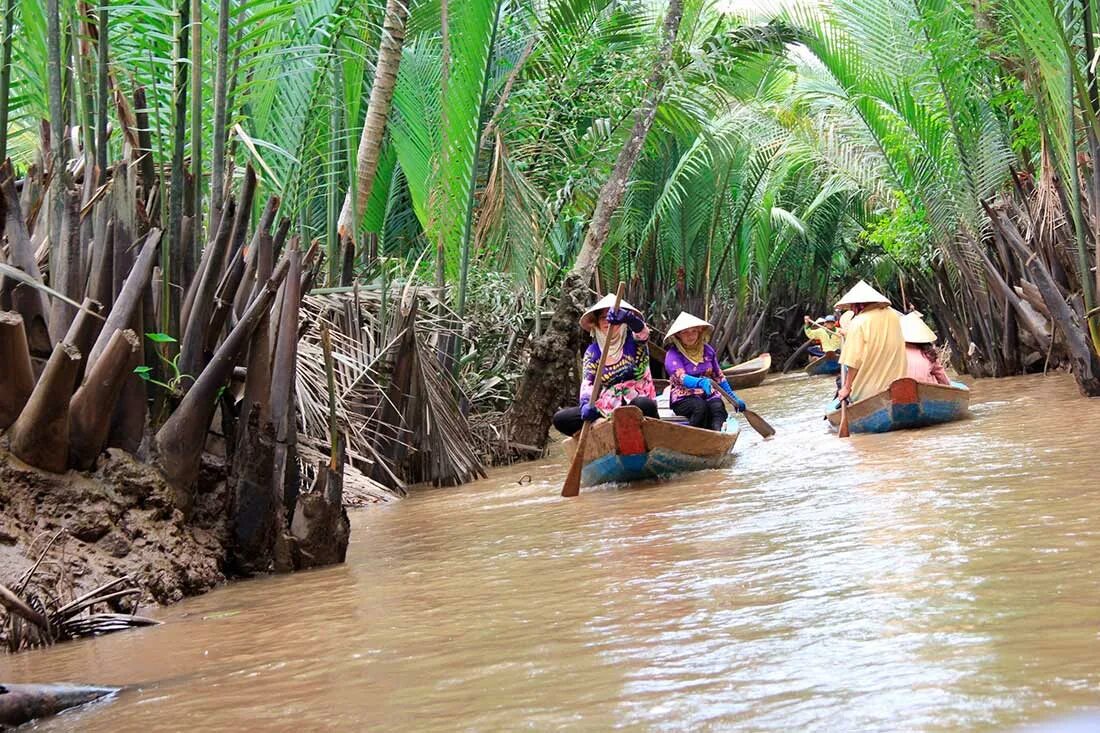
[(22, 703)]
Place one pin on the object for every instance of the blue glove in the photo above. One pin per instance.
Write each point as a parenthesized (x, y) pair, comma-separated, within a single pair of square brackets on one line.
[(738, 403), (702, 383), (624, 315), (589, 412)]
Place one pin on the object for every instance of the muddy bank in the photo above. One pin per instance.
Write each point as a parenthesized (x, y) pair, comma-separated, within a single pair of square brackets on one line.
[(118, 520)]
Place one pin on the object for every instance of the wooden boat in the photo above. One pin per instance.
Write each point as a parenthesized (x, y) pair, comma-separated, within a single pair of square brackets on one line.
[(906, 404), (629, 446), (749, 373), (827, 364)]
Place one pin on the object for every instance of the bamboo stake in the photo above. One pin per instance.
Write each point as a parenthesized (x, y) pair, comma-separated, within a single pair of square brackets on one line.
[(84, 329), (282, 379), (16, 374), (129, 298), (202, 287), (180, 440), (35, 307), (40, 435), (90, 408)]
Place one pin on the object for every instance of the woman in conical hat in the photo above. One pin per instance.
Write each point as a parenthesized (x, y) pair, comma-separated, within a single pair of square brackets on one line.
[(874, 350), (626, 376), (694, 374), (924, 362)]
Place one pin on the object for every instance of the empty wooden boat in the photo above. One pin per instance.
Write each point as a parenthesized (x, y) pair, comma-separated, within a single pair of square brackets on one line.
[(906, 404), (628, 446), (749, 373), (827, 364)]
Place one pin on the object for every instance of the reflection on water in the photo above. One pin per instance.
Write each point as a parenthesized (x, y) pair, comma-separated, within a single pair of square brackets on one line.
[(935, 580)]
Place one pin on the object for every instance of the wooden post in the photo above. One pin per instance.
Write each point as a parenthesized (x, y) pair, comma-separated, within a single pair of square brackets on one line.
[(40, 436), (16, 374)]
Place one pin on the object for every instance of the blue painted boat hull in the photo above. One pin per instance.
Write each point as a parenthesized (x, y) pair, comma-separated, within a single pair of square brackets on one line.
[(906, 404), (630, 447), (828, 364)]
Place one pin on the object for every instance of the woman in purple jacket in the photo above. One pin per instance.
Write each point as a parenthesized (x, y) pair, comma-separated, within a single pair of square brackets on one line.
[(626, 379), (695, 375)]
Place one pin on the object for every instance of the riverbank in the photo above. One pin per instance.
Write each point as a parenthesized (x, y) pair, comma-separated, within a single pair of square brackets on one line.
[(116, 521)]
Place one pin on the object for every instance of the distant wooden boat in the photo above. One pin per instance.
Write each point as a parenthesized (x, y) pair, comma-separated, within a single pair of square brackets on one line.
[(629, 447), (827, 364), (906, 404), (749, 373)]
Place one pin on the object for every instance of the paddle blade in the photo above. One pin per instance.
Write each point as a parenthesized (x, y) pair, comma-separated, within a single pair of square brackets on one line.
[(843, 430), (759, 424), (572, 485)]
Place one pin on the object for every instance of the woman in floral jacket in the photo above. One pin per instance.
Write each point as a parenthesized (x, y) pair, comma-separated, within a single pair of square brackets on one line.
[(626, 376)]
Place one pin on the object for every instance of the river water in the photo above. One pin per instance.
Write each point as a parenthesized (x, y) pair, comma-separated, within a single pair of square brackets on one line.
[(945, 579)]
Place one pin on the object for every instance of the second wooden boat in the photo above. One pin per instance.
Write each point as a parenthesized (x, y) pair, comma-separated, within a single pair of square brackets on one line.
[(750, 373), (907, 403), (827, 364), (628, 446)]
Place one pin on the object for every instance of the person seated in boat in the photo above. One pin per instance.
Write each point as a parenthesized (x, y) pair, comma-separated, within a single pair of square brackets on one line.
[(626, 376), (920, 351), (694, 374), (874, 349), (823, 330)]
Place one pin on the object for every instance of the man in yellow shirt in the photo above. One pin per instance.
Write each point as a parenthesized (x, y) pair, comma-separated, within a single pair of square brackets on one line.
[(825, 333), (874, 348)]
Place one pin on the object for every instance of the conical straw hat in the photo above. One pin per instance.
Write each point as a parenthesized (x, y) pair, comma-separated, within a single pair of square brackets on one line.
[(588, 318), (861, 293), (915, 331), (685, 321)]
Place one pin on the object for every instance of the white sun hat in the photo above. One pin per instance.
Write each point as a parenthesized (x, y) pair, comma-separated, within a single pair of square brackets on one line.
[(861, 293), (915, 331), (685, 321), (588, 318)]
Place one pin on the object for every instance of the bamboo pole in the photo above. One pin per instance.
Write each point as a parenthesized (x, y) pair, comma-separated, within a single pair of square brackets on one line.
[(16, 374), (40, 435), (180, 440), (90, 408)]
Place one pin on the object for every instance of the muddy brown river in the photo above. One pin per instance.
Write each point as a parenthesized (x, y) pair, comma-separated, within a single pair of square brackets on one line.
[(946, 579)]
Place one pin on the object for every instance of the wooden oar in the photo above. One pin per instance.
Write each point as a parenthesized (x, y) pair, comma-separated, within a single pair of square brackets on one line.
[(842, 431), (572, 485), (758, 423)]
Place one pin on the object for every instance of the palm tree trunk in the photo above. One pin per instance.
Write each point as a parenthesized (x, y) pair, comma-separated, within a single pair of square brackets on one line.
[(217, 160), (196, 128), (5, 73), (172, 264), (378, 111), (547, 380)]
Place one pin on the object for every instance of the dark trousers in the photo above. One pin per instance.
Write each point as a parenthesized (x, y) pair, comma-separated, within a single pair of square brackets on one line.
[(569, 422), (815, 351), (701, 413)]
